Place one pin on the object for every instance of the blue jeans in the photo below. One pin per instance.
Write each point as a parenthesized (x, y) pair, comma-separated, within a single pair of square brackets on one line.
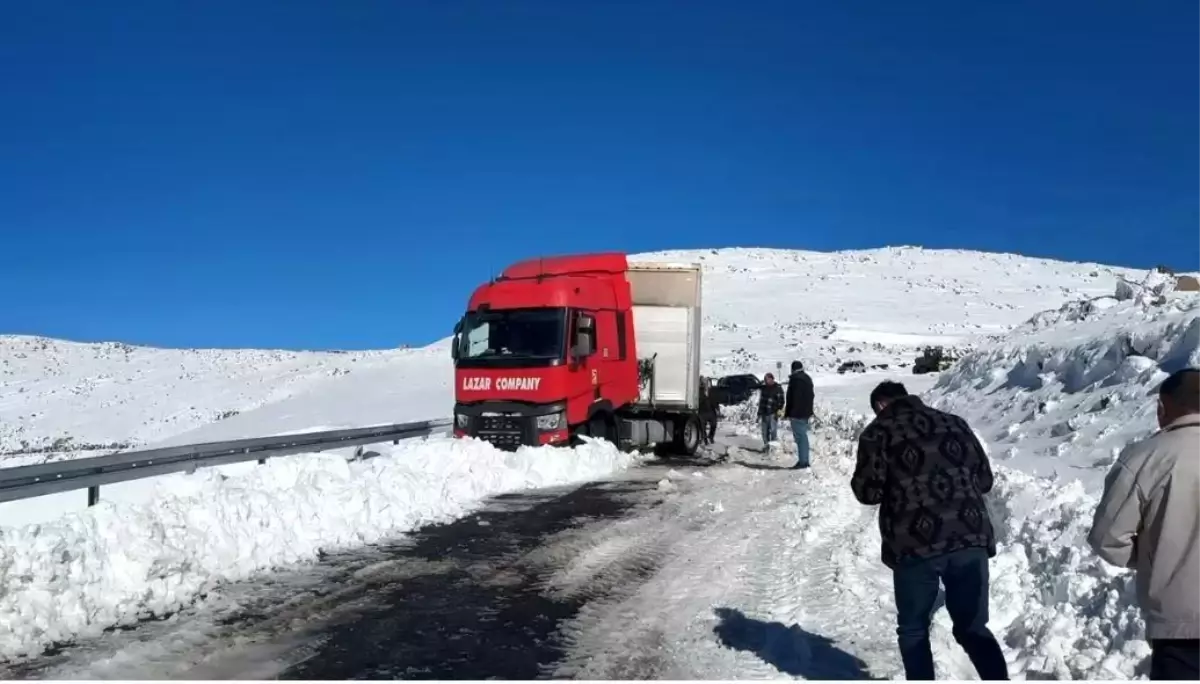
[(770, 429), (800, 433), (965, 575)]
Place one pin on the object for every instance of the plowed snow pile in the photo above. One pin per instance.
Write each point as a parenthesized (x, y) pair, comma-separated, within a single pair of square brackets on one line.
[(1066, 391), (1064, 394), (116, 563)]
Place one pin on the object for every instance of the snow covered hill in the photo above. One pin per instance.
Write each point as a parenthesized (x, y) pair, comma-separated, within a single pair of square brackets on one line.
[(762, 307), (61, 398)]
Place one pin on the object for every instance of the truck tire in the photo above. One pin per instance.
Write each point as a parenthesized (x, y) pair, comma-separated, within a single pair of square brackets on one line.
[(687, 436), (597, 427)]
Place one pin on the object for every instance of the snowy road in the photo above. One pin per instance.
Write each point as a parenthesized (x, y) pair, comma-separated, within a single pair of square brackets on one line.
[(736, 570)]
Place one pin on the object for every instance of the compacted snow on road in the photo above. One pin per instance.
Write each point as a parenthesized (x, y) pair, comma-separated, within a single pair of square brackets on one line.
[(117, 563), (738, 569)]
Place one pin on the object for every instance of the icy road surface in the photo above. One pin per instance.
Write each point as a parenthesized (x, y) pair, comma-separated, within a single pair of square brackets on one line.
[(669, 571)]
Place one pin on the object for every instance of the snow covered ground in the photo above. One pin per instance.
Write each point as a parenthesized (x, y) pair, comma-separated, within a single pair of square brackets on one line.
[(734, 571), (114, 564)]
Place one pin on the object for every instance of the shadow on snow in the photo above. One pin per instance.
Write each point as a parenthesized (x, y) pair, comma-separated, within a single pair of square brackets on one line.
[(791, 650)]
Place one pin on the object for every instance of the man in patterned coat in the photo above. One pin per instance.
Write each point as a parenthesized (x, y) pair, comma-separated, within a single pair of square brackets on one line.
[(928, 473)]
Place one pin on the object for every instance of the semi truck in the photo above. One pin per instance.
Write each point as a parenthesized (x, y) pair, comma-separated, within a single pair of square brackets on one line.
[(557, 348)]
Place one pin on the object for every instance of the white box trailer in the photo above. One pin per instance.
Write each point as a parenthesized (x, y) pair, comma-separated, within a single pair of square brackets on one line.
[(667, 323)]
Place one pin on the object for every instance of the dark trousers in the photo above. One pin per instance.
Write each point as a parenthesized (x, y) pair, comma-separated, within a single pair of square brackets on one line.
[(1175, 659), (710, 428), (965, 576)]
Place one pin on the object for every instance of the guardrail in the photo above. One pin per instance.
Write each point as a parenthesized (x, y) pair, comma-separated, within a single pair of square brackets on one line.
[(24, 482)]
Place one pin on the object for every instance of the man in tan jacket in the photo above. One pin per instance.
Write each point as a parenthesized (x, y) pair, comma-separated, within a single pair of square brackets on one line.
[(1149, 520)]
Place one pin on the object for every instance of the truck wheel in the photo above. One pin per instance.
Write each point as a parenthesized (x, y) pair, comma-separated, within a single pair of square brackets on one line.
[(687, 436), (598, 427)]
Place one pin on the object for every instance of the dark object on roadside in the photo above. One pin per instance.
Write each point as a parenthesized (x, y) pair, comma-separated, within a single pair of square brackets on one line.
[(852, 367), (734, 389), (933, 360), (879, 366), (709, 411)]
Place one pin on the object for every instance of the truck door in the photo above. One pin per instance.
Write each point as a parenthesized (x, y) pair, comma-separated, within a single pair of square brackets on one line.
[(584, 342)]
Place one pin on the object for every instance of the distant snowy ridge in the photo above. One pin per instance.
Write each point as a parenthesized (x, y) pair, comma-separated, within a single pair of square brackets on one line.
[(117, 563), (876, 305)]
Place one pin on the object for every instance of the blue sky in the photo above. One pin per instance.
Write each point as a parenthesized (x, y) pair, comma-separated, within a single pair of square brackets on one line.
[(311, 174)]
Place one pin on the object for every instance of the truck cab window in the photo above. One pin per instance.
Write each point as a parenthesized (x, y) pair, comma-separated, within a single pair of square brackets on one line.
[(506, 336)]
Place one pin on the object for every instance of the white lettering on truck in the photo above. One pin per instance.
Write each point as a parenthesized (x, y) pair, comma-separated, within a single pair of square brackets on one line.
[(503, 384)]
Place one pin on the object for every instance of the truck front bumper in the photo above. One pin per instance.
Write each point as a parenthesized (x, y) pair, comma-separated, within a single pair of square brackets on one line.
[(511, 425)]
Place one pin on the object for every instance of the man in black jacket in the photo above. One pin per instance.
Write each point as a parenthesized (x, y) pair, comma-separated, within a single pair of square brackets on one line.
[(770, 406), (799, 409), (708, 411), (928, 473)]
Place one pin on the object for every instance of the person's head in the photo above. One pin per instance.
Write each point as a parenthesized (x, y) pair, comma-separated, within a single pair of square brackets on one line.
[(797, 366), (885, 393), (1179, 396), (769, 379)]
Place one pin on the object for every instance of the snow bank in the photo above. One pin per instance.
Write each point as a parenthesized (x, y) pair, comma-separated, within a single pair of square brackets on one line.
[(1066, 391), (115, 564), (1060, 610)]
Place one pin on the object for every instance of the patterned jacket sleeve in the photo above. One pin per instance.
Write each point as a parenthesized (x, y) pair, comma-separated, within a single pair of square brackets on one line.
[(870, 472)]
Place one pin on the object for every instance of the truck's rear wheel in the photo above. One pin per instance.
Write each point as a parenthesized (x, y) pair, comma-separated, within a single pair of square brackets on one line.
[(687, 436)]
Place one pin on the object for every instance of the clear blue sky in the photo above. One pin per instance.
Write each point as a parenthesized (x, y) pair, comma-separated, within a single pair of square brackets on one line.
[(319, 174)]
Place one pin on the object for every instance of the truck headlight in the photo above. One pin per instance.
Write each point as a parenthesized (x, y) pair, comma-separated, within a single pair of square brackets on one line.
[(554, 421), (461, 420)]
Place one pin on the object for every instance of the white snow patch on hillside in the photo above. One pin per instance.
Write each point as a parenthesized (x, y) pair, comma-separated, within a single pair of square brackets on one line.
[(117, 563), (763, 306), (65, 399), (1066, 391)]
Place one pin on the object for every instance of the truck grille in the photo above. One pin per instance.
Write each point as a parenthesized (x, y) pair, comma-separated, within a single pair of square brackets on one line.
[(502, 432)]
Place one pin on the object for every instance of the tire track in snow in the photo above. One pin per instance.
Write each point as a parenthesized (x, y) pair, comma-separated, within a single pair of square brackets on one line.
[(760, 578)]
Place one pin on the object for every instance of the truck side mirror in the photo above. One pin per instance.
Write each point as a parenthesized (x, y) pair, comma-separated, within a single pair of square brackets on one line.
[(585, 340), (583, 347), (454, 342)]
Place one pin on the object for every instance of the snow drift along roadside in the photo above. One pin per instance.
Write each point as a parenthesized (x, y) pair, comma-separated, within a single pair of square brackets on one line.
[(1067, 390), (115, 564)]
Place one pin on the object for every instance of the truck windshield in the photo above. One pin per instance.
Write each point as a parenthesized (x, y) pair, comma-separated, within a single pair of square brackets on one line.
[(512, 337)]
